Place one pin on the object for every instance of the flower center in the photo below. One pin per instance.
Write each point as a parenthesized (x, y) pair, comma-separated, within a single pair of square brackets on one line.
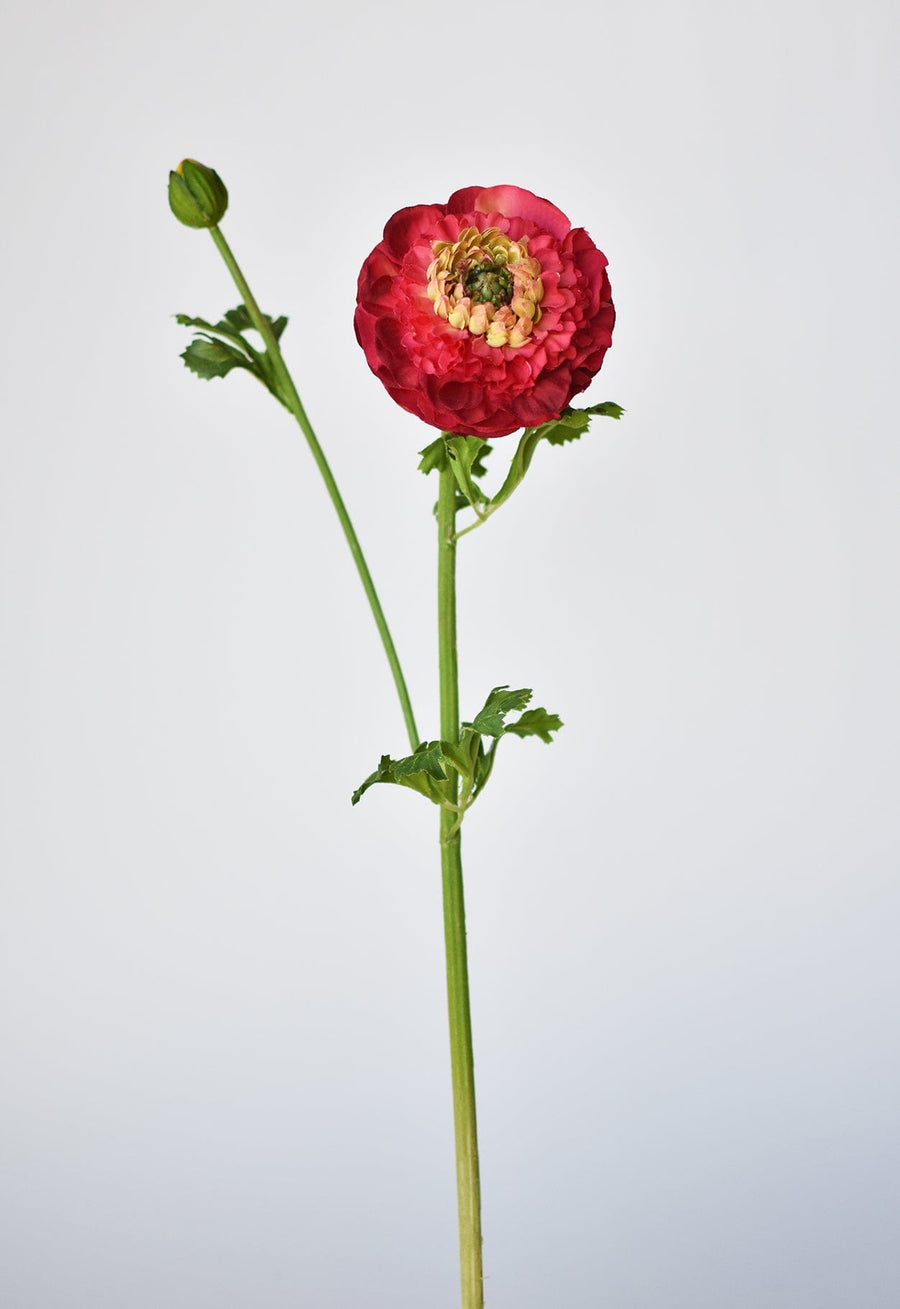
[(489, 282), (486, 284)]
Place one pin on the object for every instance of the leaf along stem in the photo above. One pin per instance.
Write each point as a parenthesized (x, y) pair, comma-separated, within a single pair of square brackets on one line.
[(292, 400), (462, 1066)]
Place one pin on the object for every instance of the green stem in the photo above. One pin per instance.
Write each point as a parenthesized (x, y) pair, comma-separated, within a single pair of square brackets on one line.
[(289, 391), (462, 1065), (479, 522)]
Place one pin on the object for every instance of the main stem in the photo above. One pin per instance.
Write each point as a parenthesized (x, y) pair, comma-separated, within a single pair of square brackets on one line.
[(462, 1065), (286, 382)]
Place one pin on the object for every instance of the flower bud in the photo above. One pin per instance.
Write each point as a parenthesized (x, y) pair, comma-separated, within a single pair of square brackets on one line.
[(197, 195)]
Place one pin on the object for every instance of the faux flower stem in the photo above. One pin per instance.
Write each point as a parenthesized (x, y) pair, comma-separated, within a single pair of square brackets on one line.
[(480, 521), (461, 1059), (292, 399)]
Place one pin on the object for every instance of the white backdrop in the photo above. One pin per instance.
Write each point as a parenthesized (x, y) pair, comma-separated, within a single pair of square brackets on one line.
[(226, 1075)]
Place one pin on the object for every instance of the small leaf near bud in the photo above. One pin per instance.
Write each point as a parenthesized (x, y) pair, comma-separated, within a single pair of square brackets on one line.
[(197, 194)]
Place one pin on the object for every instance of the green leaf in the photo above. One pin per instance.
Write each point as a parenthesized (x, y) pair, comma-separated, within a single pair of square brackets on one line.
[(222, 347), (232, 326), (239, 319), (478, 468), (573, 422), (608, 409), (433, 456), (462, 451), (432, 763), (484, 763), (500, 702), (570, 425), (222, 328), (186, 321), (536, 722), (209, 358), (428, 758), (422, 771), (463, 757)]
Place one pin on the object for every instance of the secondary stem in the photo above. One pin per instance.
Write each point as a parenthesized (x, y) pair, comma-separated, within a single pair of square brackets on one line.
[(289, 391), (461, 1058)]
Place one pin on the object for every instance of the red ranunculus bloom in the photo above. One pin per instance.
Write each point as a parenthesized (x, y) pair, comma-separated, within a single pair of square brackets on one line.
[(485, 314)]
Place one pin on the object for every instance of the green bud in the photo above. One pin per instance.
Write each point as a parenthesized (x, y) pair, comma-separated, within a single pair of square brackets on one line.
[(197, 195)]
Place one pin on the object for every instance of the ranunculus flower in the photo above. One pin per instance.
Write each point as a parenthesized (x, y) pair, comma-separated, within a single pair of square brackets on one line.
[(485, 314)]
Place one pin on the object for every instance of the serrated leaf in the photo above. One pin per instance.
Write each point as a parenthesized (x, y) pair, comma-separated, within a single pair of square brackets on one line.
[(239, 320), (232, 325), (422, 771), (500, 702), (211, 358), (478, 468), (434, 456), (223, 347), (428, 758), (186, 321), (222, 328), (536, 722), (572, 423), (608, 409)]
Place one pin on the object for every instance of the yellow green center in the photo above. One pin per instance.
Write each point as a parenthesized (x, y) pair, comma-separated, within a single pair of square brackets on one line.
[(486, 284), (489, 283)]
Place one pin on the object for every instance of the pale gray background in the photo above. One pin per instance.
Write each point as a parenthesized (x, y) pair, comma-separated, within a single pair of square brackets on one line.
[(225, 1070)]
